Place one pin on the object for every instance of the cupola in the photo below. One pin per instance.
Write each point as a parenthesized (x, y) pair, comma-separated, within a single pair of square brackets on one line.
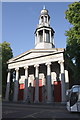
[(44, 34)]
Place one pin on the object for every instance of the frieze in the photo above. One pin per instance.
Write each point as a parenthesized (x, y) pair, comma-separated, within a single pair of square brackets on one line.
[(41, 60)]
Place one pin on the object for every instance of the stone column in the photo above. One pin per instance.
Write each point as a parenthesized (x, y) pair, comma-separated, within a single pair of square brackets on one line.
[(37, 37), (66, 76), (43, 35), (63, 91), (49, 95), (67, 79), (26, 84), (50, 36), (47, 20), (7, 86), (53, 39), (15, 97), (37, 84)]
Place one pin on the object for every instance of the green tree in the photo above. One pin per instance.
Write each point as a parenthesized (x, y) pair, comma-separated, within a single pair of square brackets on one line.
[(5, 55), (73, 41)]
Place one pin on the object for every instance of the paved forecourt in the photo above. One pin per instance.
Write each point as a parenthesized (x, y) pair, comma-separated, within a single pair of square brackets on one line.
[(19, 110)]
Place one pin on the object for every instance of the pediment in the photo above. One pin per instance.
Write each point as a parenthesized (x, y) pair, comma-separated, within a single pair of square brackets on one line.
[(35, 53)]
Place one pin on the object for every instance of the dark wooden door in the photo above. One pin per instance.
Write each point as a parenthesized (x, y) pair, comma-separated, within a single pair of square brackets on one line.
[(57, 91), (20, 91)]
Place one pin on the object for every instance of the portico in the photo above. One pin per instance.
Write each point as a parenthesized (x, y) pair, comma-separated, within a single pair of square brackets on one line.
[(48, 61)]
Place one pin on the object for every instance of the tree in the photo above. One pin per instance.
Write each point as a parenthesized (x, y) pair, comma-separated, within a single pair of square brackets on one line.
[(73, 40), (5, 55)]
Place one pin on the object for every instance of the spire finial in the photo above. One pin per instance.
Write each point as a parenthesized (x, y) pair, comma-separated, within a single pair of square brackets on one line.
[(44, 7)]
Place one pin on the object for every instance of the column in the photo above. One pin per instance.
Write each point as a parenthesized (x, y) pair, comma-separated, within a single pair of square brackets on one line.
[(26, 84), (49, 95), (50, 36), (67, 79), (63, 91), (37, 37), (47, 20), (66, 76), (15, 97), (53, 39), (43, 35), (37, 84), (8, 86)]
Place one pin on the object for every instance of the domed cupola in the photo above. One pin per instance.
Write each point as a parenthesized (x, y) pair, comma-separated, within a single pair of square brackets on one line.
[(44, 18), (44, 34)]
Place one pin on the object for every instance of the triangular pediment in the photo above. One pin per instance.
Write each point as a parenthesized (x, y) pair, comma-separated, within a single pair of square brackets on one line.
[(35, 53)]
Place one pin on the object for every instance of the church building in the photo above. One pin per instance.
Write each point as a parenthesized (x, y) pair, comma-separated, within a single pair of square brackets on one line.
[(39, 74)]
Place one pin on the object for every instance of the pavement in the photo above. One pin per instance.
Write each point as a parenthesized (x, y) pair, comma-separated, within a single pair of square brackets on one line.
[(38, 105), (23, 110)]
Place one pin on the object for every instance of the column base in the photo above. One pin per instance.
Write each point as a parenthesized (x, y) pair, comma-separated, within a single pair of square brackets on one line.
[(25, 99), (14, 100), (6, 100), (36, 101), (49, 102), (64, 103)]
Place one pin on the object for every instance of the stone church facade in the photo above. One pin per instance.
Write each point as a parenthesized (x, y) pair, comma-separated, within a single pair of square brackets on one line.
[(39, 74)]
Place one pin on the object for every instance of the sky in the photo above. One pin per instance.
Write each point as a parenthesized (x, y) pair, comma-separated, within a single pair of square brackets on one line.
[(20, 19)]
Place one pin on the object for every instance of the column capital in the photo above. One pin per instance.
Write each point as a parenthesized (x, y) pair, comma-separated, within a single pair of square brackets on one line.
[(48, 63), (36, 65), (26, 67), (17, 68), (61, 61)]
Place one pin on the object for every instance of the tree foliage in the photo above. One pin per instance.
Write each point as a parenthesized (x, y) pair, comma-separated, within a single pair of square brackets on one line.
[(73, 13), (5, 55), (73, 40)]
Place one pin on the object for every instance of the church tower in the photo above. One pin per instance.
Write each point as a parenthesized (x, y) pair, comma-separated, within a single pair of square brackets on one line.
[(44, 34)]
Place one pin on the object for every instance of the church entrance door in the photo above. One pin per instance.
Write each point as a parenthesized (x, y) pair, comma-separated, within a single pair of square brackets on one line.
[(20, 92), (57, 91)]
